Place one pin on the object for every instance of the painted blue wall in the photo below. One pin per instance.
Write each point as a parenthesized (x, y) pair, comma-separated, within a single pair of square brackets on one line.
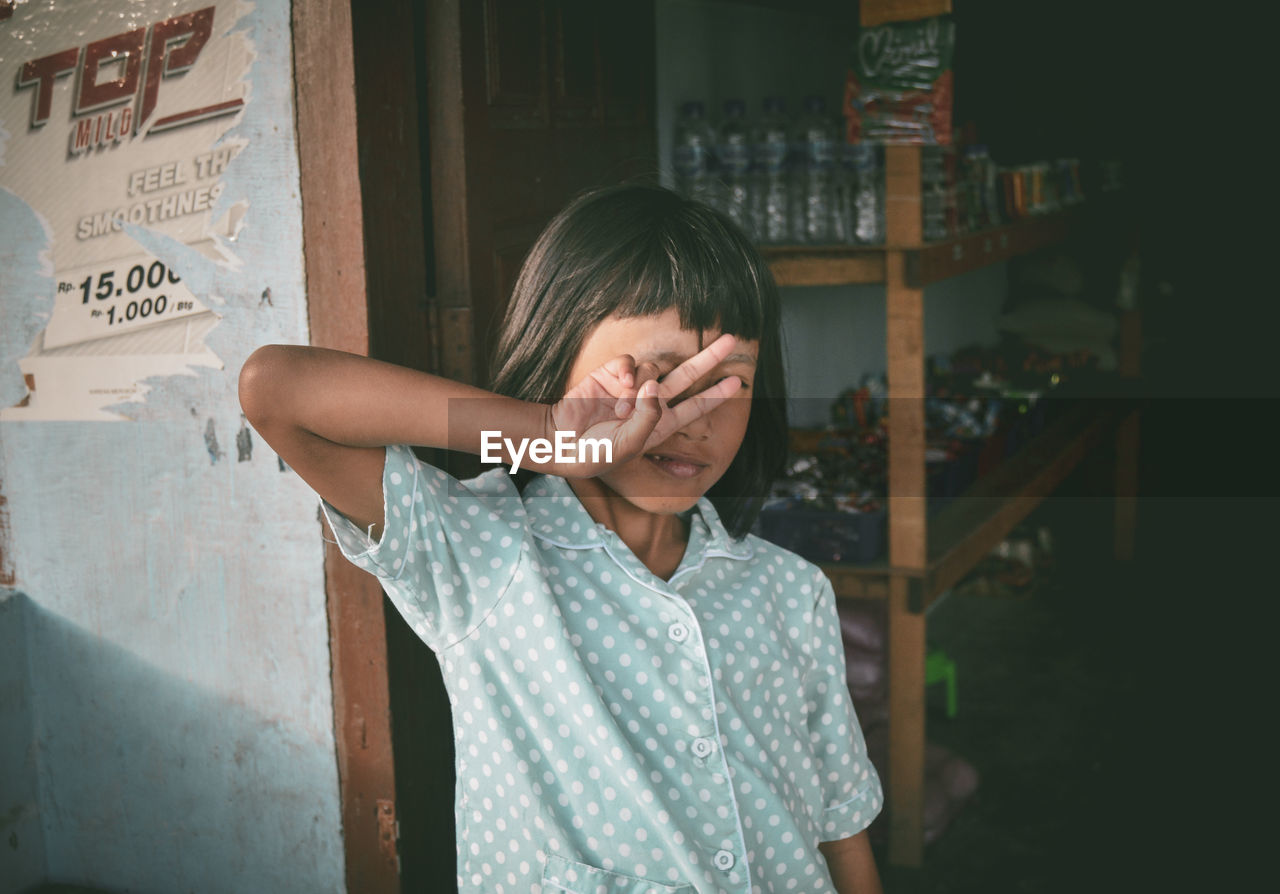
[(165, 704)]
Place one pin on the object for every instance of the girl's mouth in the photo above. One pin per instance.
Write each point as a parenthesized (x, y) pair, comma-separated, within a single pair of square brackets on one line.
[(676, 466)]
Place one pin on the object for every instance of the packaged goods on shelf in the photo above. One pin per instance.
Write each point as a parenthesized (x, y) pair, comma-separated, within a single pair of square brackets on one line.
[(938, 188), (783, 180), (860, 207), (962, 190), (829, 506), (899, 87), (1040, 187), (693, 153), (813, 174), (770, 194), (733, 160), (982, 405)]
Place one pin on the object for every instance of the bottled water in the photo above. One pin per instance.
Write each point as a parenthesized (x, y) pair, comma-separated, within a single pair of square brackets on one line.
[(812, 184), (769, 173), (691, 154), (933, 181), (864, 163), (844, 196), (733, 156)]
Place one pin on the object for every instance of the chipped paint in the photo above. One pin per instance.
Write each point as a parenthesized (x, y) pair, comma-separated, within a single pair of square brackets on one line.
[(8, 578), (26, 284), (244, 442), (211, 441)]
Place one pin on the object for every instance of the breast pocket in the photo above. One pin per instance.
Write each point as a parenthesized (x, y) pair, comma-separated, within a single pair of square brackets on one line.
[(561, 875)]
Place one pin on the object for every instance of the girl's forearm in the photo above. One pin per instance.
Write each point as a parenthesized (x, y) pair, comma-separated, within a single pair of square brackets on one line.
[(852, 866), (355, 401)]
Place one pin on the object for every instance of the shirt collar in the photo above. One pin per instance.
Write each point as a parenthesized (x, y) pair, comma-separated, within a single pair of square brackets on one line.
[(558, 516)]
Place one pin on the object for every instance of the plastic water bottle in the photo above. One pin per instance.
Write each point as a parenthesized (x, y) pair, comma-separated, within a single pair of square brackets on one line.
[(865, 164), (733, 158), (770, 170), (844, 195), (812, 183), (692, 153), (932, 193)]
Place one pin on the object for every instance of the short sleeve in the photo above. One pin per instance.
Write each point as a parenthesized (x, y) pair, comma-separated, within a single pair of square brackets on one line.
[(851, 792), (449, 549)]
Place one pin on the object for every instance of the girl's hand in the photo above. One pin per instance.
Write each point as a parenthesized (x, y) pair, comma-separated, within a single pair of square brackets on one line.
[(630, 407)]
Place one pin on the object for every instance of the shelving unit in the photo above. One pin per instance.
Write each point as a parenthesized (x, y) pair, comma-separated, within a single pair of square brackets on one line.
[(928, 554)]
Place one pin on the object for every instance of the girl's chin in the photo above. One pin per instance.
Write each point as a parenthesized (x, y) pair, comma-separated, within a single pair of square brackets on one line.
[(659, 497), (663, 505)]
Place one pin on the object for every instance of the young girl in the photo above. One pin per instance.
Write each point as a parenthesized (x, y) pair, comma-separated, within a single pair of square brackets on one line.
[(645, 697)]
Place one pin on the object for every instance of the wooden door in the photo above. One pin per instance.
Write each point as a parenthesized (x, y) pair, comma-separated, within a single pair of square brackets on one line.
[(522, 104), (530, 102)]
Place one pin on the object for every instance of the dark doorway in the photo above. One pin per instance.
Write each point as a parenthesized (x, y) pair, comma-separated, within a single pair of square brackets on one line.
[(495, 114)]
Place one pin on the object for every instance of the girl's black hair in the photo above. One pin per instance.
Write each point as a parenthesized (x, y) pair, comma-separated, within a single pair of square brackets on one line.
[(638, 250)]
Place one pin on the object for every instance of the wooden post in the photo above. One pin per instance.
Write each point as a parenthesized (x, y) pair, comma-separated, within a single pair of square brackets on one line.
[(333, 236), (908, 538)]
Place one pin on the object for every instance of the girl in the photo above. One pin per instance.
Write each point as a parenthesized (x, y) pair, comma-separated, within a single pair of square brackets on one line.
[(645, 697)]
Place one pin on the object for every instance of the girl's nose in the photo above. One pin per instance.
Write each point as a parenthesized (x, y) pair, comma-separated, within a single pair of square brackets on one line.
[(698, 429)]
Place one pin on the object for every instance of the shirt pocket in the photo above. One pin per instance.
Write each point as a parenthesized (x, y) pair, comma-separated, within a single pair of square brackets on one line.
[(561, 875)]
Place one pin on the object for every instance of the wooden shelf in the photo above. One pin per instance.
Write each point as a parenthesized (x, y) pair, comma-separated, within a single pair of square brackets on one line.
[(928, 554), (824, 265), (838, 265), (974, 523), (941, 260)]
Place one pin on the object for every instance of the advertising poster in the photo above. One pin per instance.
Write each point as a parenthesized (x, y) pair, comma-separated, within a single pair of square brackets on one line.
[(112, 122)]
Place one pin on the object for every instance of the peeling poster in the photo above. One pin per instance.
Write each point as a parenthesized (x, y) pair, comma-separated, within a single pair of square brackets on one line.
[(115, 125)]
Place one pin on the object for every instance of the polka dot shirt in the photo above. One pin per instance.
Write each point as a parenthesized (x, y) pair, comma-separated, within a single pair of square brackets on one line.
[(617, 733)]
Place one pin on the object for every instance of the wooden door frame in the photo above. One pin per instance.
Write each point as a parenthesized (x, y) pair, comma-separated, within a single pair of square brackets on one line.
[(337, 300)]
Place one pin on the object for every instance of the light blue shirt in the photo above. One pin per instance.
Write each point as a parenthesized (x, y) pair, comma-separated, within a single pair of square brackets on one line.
[(615, 732)]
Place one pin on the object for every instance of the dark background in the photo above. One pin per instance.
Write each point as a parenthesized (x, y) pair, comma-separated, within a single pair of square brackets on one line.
[(1176, 91)]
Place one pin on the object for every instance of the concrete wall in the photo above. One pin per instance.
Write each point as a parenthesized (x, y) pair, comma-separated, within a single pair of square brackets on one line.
[(165, 705), (711, 50)]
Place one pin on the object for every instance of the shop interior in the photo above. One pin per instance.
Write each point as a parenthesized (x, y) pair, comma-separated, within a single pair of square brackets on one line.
[(1026, 424)]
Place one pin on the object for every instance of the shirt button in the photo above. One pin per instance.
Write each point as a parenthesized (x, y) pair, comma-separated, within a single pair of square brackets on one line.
[(703, 747), (723, 860), (678, 632)]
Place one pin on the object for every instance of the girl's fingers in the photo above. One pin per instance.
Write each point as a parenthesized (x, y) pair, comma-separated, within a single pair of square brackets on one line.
[(697, 366), (636, 430), (617, 378), (643, 373), (703, 402), (623, 368)]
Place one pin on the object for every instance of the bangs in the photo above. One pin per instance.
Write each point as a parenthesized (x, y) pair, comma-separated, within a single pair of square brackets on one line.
[(695, 261)]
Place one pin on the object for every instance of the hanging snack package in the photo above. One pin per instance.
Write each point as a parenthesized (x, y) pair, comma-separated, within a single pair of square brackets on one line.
[(900, 86)]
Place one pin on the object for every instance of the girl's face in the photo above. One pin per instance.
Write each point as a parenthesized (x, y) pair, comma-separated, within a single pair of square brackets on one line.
[(672, 476)]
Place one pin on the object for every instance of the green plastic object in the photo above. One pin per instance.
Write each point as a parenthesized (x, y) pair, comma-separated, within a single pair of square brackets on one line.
[(939, 668)]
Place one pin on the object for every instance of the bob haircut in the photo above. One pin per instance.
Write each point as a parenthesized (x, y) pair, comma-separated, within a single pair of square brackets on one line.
[(638, 250)]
